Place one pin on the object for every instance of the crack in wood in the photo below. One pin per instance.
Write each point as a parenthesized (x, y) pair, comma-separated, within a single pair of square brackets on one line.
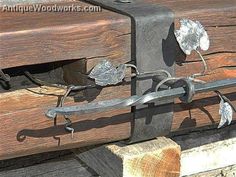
[(228, 67), (219, 52), (97, 57), (219, 26), (125, 34)]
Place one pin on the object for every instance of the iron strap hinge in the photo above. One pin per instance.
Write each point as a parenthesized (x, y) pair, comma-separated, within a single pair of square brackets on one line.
[(152, 48)]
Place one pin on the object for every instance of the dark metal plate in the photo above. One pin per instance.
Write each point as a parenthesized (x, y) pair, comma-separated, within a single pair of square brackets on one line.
[(153, 47)]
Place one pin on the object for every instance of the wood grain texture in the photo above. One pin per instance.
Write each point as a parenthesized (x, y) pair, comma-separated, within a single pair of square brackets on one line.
[(229, 171), (68, 166), (66, 162), (33, 38), (34, 133), (48, 37), (158, 157), (208, 157), (28, 131)]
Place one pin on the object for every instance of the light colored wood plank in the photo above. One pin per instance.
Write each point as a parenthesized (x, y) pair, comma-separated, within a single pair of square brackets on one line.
[(200, 137), (208, 157), (229, 171), (158, 157)]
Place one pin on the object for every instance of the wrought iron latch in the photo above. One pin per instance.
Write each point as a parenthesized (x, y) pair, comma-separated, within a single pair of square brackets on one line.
[(153, 53)]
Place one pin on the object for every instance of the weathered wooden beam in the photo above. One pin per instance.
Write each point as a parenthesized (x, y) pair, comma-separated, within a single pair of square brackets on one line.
[(158, 157), (49, 37), (65, 162), (89, 37), (68, 166), (91, 30), (28, 131)]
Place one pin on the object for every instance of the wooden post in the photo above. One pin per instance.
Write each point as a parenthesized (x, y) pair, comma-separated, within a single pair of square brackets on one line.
[(158, 157)]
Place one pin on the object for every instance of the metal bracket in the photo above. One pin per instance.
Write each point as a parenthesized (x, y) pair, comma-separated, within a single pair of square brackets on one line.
[(185, 91), (152, 48)]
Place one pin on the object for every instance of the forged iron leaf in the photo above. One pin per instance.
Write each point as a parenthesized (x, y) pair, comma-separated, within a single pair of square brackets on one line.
[(226, 113), (191, 35), (105, 73)]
